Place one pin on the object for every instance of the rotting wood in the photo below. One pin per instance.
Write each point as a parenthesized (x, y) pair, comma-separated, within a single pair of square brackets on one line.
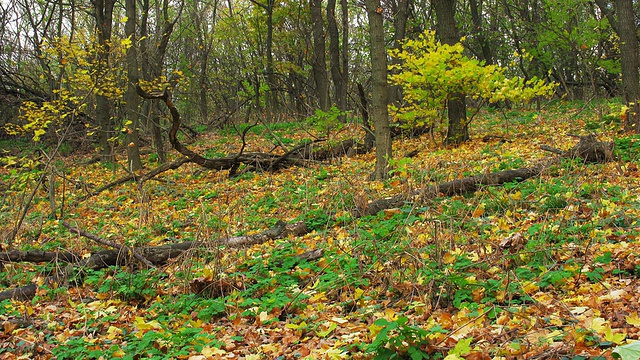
[(257, 160), (106, 242), (589, 149), (156, 255)]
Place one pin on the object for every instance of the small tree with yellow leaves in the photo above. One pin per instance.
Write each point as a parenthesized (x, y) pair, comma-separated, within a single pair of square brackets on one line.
[(429, 72)]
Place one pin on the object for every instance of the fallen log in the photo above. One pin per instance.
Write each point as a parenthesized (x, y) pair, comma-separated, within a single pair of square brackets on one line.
[(258, 160), (588, 149), (22, 293), (154, 255), (37, 256), (450, 188)]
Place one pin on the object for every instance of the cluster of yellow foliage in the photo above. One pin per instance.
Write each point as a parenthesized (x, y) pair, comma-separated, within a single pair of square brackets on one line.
[(77, 75), (429, 72)]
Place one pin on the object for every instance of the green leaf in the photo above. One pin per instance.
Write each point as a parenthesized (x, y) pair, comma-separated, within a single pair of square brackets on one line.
[(627, 352)]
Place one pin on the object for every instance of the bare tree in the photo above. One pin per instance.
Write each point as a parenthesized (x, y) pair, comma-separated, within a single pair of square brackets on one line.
[(379, 91), (318, 63), (447, 31), (131, 97)]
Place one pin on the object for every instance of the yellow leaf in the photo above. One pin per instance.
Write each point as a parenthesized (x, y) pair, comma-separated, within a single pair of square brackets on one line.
[(113, 332), (448, 258), (516, 196), (296, 326), (119, 353), (140, 324), (479, 210), (617, 338), (530, 287), (453, 357), (633, 319), (270, 348), (212, 351), (37, 133), (599, 325), (374, 330)]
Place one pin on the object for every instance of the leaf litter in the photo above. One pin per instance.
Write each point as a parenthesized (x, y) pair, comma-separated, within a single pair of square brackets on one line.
[(546, 268)]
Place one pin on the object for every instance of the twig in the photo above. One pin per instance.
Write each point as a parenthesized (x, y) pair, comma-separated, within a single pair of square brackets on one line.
[(106, 242), (552, 149)]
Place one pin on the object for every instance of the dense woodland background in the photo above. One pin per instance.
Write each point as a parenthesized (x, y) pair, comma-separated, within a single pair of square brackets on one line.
[(242, 62), (322, 179)]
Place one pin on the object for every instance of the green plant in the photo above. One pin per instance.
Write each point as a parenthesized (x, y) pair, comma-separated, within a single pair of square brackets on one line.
[(327, 121), (127, 286), (397, 339)]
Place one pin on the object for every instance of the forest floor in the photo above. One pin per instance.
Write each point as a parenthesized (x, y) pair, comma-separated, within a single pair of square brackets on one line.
[(545, 268)]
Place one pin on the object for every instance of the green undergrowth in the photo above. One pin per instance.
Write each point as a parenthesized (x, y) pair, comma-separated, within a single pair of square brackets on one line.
[(487, 257)]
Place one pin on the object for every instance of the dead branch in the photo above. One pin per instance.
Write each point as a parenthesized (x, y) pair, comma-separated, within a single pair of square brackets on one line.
[(21, 293), (588, 149), (154, 255), (37, 256), (139, 178), (551, 149), (258, 160), (106, 242)]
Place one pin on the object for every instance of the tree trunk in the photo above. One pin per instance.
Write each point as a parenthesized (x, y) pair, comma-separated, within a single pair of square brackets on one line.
[(205, 45), (400, 19), (131, 97), (447, 31), (338, 69), (153, 59), (272, 100), (479, 32), (318, 62), (630, 62), (103, 13), (379, 111)]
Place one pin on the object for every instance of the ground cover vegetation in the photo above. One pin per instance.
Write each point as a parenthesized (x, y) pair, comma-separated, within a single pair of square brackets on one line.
[(283, 180), (545, 266)]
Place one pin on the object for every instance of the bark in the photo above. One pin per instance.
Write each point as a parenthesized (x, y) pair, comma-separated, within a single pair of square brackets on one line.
[(271, 79), (630, 62), (401, 16), (379, 91), (447, 31), (103, 12), (319, 58), (131, 97), (205, 45), (153, 60), (155, 255), (27, 292), (479, 31), (36, 256), (337, 59)]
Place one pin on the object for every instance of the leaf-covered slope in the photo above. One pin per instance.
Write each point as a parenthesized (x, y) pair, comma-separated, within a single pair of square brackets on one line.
[(546, 266)]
